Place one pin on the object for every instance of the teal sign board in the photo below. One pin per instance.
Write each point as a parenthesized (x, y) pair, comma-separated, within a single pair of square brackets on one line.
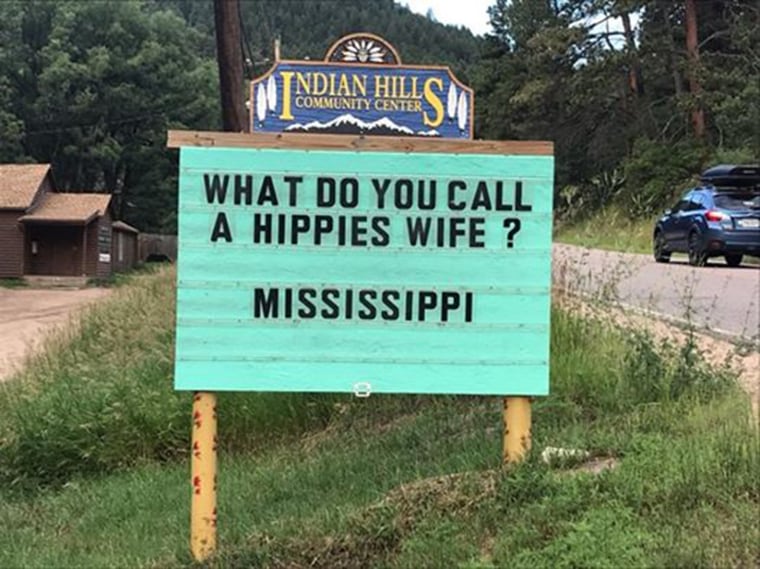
[(348, 271)]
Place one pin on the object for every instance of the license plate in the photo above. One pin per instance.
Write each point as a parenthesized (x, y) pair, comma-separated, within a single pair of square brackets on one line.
[(748, 223)]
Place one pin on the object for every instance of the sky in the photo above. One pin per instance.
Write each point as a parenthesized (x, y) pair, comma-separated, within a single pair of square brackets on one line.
[(470, 13)]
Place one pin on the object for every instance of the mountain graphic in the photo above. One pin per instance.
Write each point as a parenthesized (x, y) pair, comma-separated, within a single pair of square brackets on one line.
[(349, 124)]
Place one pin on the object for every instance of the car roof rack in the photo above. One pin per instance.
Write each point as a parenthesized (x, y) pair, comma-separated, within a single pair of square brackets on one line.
[(732, 176)]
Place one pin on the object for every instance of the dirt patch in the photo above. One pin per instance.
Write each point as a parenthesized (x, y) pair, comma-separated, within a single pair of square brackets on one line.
[(457, 493), (596, 466), (28, 315)]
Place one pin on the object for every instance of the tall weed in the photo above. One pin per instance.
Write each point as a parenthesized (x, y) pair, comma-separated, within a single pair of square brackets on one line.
[(608, 369)]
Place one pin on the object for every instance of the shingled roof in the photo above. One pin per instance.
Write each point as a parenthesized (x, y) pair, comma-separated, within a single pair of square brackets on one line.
[(69, 208), (19, 184)]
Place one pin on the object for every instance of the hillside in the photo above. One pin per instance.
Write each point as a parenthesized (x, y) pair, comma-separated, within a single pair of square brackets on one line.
[(307, 29)]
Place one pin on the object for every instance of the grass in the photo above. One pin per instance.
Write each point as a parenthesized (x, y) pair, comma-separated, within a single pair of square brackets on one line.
[(12, 282), (609, 229), (391, 481), (119, 279)]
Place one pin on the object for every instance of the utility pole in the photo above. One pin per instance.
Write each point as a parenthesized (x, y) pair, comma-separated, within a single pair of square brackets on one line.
[(229, 56)]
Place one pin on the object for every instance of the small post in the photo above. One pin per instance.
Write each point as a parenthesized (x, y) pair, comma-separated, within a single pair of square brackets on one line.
[(203, 477), (517, 418), (277, 48), (84, 254)]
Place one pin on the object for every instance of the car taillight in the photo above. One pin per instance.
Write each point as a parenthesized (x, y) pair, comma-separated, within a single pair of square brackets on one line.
[(716, 216), (720, 217)]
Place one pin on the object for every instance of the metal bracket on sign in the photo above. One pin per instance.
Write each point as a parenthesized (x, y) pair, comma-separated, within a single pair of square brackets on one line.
[(363, 389)]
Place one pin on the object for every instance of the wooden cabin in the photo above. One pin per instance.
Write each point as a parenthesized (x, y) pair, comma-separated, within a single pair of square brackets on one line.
[(51, 233)]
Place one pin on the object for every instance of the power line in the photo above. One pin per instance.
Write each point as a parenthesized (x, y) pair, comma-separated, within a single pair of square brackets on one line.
[(86, 125), (112, 122)]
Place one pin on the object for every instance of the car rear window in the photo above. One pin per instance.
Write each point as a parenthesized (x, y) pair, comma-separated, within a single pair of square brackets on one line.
[(737, 201)]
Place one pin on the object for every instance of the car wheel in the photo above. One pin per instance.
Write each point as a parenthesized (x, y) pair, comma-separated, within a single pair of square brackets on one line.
[(697, 256), (660, 254), (733, 260)]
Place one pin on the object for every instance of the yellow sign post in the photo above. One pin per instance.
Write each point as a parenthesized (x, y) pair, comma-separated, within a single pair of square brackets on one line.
[(517, 421), (203, 476)]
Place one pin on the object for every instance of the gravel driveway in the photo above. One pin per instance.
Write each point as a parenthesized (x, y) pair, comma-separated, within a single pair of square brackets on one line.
[(716, 297), (27, 315)]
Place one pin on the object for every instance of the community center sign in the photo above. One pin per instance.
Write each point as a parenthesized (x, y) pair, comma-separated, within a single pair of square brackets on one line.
[(361, 88)]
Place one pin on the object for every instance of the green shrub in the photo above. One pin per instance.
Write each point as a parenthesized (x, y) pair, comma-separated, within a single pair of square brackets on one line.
[(657, 172), (600, 369), (743, 155)]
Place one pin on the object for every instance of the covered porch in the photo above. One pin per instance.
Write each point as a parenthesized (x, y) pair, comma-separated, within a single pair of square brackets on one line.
[(69, 235), (55, 249)]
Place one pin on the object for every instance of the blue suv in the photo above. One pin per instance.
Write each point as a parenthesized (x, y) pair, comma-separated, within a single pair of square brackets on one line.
[(721, 217)]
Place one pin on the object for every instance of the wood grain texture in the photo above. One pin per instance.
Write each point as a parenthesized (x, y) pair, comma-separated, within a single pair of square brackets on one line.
[(299, 141), (11, 244)]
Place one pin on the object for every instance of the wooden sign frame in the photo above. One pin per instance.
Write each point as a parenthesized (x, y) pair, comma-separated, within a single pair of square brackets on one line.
[(300, 141)]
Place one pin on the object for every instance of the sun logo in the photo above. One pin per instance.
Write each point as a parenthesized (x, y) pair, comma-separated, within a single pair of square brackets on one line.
[(363, 51)]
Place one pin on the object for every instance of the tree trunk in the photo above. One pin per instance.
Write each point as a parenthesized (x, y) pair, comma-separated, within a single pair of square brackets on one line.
[(230, 59), (692, 51), (634, 73), (662, 11)]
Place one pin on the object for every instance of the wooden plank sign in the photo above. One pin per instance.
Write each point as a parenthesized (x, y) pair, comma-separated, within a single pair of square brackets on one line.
[(364, 271)]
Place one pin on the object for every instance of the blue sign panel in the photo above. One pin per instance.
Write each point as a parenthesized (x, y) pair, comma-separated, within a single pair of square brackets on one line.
[(357, 98)]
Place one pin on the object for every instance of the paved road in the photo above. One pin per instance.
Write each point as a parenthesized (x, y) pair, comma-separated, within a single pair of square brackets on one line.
[(715, 297), (27, 315)]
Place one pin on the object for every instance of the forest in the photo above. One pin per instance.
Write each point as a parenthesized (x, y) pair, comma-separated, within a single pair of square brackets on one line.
[(637, 95)]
